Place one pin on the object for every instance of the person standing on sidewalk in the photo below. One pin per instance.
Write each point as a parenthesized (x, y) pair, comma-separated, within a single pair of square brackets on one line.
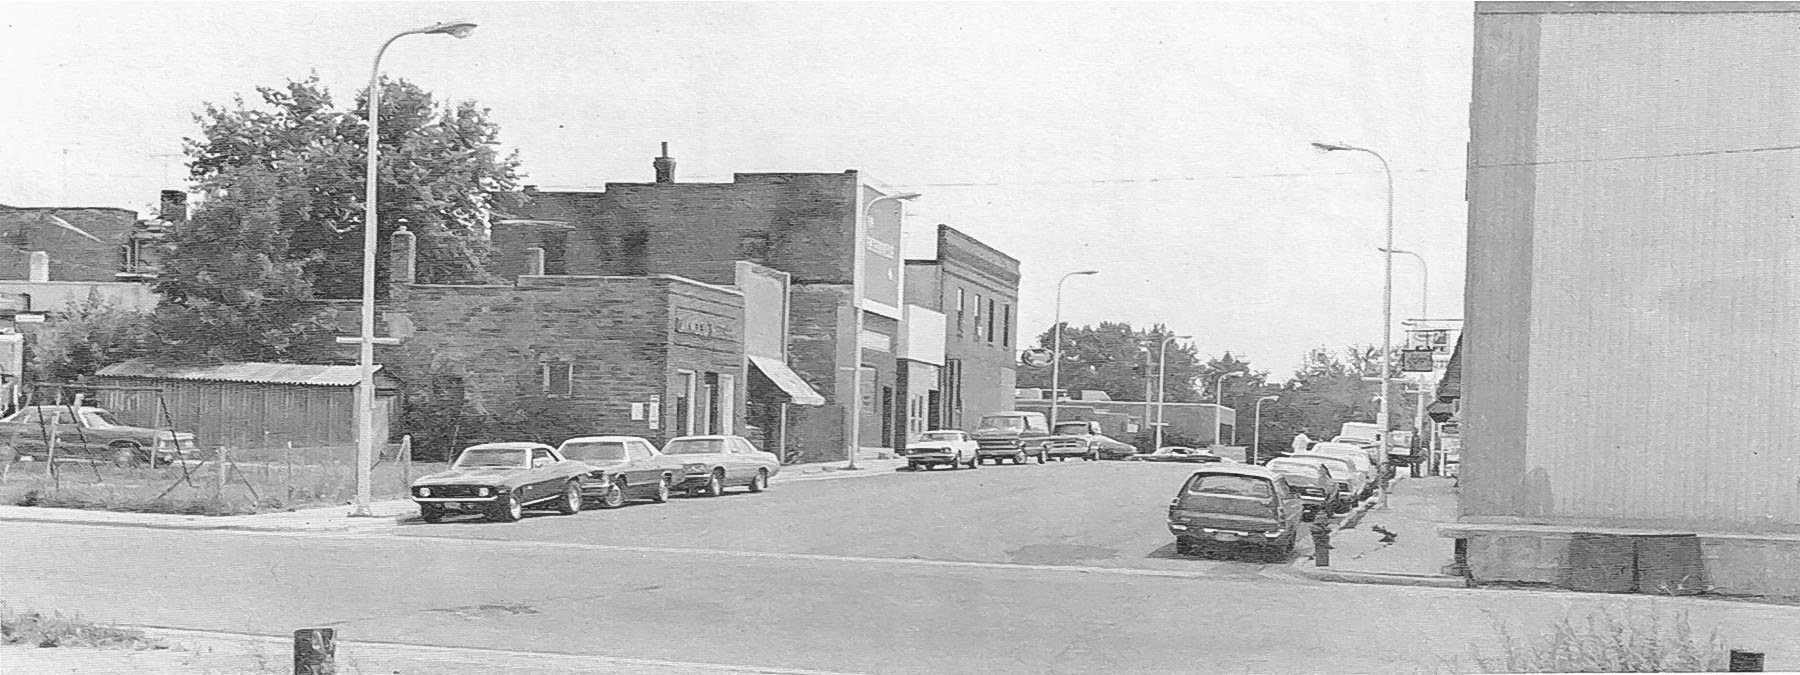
[(1302, 442)]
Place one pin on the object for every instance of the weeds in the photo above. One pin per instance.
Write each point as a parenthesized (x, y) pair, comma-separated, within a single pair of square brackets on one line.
[(57, 630), (1604, 643)]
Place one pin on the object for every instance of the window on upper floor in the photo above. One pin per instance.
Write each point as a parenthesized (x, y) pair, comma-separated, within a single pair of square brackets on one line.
[(1006, 327), (991, 320), (962, 306), (979, 322)]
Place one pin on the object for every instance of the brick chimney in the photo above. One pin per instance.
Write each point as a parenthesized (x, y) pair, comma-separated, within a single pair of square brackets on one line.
[(665, 167), (38, 266), (174, 206)]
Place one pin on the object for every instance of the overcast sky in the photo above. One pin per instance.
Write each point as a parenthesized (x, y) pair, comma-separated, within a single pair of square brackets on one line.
[(1163, 144)]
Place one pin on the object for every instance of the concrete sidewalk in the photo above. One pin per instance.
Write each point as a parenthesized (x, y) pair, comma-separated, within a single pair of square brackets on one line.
[(383, 514), (209, 653), (1415, 557)]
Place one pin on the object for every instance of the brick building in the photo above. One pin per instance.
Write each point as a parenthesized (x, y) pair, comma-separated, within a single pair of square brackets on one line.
[(86, 244), (975, 288), (552, 356), (840, 255)]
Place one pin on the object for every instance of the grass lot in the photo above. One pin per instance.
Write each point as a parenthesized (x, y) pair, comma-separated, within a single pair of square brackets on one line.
[(35, 629), (1604, 642), (261, 481)]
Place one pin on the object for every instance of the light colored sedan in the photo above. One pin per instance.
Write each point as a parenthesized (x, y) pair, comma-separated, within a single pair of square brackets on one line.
[(709, 464), (942, 447)]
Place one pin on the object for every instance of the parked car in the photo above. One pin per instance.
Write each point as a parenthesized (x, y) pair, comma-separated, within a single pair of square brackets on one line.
[(1312, 481), (502, 480), (1371, 471), (1235, 503), (1176, 453), (92, 433), (709, 464), (1084, 439), (624, 467), (1352, 483), (940, 448), (1011, 435)]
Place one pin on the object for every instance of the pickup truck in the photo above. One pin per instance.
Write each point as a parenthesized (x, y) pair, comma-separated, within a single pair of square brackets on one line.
[(1010, 435), (1086, 440), (91, 433)]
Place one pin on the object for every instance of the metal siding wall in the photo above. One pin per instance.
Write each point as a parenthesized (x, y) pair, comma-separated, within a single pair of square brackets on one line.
[(1663, 384)]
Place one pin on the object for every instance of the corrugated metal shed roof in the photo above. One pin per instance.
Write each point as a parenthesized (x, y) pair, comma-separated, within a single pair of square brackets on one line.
[(260, 373)]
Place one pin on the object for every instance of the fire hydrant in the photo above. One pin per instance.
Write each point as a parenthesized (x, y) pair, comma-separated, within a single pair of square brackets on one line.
[(1321, 536)]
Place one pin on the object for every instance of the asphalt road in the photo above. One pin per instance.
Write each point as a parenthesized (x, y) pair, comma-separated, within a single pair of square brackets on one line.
[(1058, 568)]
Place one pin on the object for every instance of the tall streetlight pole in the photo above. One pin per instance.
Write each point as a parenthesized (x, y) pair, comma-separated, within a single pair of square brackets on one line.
[(1056, 346), (365, 391), (856, 403), (1387, 306), (1219, 403), (1148, 383), (1256, 436), (1162, 366)]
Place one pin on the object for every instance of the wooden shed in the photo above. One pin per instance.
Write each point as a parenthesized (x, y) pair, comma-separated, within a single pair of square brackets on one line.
[(246, 405)]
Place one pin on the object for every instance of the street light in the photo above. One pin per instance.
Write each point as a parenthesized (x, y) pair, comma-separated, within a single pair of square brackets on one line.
[(1387, 306), (365, 392), (1424, 281), (1056, 346), (1256, 436), (1219, 408), (856, 302), (1162, 365)]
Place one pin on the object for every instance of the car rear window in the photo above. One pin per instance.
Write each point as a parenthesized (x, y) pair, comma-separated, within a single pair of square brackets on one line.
[(595, 450), (1226, 484), (695, 446)]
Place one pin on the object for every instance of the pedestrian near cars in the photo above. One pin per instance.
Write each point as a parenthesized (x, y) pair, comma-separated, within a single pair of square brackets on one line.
[(1302, 441)]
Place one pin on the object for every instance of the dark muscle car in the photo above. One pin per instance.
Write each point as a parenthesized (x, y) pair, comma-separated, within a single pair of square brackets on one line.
[(501, 480), (624, 467), (1235, 504), (709, 464)]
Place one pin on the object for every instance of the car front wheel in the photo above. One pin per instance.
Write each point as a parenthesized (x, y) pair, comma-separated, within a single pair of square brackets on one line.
[(662, 490), (571, 501), (508, 508), (1019, 458), (1043, 456), (761, 481), (715, 483), (975, 462), (615, 494), (125, 455)]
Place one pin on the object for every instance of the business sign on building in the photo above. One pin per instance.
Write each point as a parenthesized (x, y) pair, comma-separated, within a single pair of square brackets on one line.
[(1418, 360), (883, 265), (687, 323)]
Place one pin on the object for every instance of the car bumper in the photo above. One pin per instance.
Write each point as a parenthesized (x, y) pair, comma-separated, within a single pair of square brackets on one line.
[(929, 456), (448, 500), (1197, 533)]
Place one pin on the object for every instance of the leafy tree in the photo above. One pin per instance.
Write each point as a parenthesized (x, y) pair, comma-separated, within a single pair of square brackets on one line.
[(1326, 391), (82, 337), (440, 175), (231, 287), (1117, 359)]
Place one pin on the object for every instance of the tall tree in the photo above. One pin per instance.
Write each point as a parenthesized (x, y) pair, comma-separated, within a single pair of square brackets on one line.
[(231, 287), (1119, 360), (441, 174)]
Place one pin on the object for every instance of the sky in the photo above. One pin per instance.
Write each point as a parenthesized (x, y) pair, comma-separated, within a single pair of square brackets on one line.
[(1165, 145)]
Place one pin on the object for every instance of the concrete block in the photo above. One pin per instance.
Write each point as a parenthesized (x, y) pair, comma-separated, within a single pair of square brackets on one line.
[(1518, 557)]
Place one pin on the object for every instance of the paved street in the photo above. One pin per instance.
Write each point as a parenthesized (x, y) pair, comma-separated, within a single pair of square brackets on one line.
[(1068, 573)]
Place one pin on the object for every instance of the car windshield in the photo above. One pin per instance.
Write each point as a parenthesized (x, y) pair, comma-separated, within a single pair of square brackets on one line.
[(1223, 484), (1071, 429), (599, 451), (1003, 423), (695, 446), (1176, 451), (510, 458), (1338, 468), (99, 418), (948, 436)]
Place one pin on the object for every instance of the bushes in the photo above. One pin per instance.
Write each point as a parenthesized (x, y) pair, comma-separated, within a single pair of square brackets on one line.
[(55, 630), (1645, 642)]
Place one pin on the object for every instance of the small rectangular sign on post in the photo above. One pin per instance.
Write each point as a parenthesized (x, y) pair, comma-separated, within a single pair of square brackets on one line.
[(1417, 361)]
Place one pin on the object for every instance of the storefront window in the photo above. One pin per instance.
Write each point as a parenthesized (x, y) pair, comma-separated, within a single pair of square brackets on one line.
[(684, 403)]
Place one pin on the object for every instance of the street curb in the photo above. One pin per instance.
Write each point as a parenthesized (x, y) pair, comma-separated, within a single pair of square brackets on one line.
[(1379, 578)]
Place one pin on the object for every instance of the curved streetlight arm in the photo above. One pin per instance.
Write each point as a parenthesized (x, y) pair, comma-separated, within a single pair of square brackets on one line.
[(1424, 281), (1056, 347)]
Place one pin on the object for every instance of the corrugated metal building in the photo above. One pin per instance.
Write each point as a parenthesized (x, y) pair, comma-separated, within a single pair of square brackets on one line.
[(246, 405), (1630, 368)]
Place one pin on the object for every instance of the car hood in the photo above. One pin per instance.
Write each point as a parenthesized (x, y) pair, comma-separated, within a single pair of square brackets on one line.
[(931, 445), (474, 476)]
